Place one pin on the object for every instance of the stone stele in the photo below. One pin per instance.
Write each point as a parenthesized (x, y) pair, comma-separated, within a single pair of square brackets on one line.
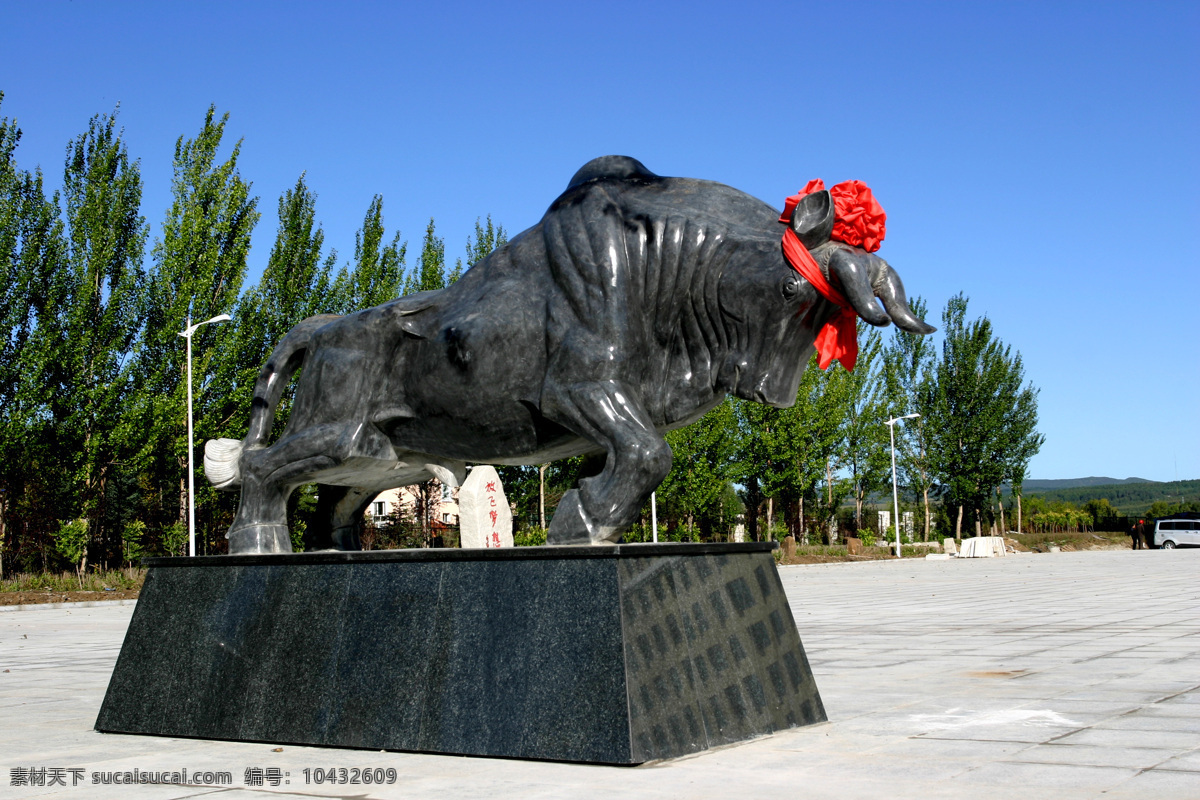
[(484, 518)]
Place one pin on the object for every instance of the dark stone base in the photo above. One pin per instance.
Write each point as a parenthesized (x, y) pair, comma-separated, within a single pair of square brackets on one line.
[(614, 655)]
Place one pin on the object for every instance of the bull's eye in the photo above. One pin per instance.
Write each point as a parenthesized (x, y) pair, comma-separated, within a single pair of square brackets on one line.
[(789, 287)]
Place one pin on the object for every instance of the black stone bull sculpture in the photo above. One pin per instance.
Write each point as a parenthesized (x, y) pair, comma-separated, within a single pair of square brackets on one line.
[(632, 308)]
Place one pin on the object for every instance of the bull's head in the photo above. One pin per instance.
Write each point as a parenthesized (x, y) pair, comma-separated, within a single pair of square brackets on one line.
[(773, 314)]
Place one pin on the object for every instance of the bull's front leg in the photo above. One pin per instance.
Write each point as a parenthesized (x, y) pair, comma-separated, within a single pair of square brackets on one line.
[(638, 458)]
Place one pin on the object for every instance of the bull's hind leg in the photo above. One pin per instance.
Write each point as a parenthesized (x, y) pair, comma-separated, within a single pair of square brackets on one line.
[(638, 458), (269, 475)]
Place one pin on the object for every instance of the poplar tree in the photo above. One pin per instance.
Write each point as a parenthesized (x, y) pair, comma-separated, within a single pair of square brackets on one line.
[(33, 295), (811, 438), (102, 313), (486, 238), (702, 457), (908, 371), (199, 265), (32, 299), (865, 439), (430, 273), (760, 461), (982, 421), (295, 285), (377, 273)]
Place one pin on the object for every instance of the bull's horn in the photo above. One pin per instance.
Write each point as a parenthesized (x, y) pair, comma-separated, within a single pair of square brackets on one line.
[(851, 272), (890, 290)]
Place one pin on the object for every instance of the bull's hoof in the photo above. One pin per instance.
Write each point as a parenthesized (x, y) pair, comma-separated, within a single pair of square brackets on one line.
[(570, 525), (259, 539)]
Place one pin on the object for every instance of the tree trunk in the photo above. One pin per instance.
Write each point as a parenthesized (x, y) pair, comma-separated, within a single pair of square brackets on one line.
[(3, 528), (977, 531), (832, 510), (542, 496), (803, 537), (752, 500), (183, 494), (1000, 503), (103, 536), (770, 517), (958, 523), (927, 520)]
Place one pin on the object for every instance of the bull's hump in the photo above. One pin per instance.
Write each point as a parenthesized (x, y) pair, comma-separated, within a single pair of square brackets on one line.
[(617, 167)]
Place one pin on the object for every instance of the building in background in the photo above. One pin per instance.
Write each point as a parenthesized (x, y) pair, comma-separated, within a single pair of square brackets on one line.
[(443, 504)]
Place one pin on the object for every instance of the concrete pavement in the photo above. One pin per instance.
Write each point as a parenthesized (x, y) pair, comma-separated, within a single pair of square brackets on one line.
[(1066, 675)]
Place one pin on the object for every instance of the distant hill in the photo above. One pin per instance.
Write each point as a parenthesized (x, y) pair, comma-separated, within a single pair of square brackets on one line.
[(1075, 483), (1129, 497)]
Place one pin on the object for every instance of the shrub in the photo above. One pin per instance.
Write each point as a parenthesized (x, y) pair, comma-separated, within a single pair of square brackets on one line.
[(530, 537), (71, 540), (132, 541), (174, 539)]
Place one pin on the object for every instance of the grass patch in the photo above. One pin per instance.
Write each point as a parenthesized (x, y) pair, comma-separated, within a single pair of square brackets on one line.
[(826, 553), (1041, 542), (128, 579)]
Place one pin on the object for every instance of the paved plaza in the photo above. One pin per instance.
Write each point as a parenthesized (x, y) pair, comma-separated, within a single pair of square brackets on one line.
[(1064, 675)]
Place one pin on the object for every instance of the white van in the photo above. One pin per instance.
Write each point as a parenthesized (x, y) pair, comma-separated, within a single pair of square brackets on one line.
[(1172, 533)]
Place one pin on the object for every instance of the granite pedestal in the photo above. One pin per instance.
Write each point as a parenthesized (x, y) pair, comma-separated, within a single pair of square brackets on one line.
[(615, 655)]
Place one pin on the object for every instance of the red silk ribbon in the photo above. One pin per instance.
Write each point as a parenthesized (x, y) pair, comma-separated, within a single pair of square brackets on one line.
[(858, 220)]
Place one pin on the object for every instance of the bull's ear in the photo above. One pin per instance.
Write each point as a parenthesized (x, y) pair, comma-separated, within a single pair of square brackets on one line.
[(812, 220)]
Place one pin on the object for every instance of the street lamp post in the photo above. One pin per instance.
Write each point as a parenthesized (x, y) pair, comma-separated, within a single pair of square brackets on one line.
[(654, 516), (187, 334), (891, 423)]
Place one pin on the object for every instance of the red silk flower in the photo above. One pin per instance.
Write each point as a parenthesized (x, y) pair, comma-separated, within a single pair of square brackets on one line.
[(858, 220)]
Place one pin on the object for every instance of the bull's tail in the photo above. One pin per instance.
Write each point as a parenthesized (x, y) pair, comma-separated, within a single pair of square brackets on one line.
[(223, 456)]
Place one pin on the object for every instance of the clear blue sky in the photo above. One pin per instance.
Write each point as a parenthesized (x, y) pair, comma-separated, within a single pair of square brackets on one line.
[(1040, 157)]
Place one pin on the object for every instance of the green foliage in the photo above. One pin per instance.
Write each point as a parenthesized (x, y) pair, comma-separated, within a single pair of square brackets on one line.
[(91, 582), (71, 540), (92, 389), (867, 537), (865, 438), (133, 537), (530, 537), (430, 274), (102, 310), (1131, 498), (1101, 511), (199, 264), (486, 239), (981, 420), (700, 469), (378, 272), (296, 284), (794, 454), (175, 539), (908, 369), (643, 532), (1163, 508)]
